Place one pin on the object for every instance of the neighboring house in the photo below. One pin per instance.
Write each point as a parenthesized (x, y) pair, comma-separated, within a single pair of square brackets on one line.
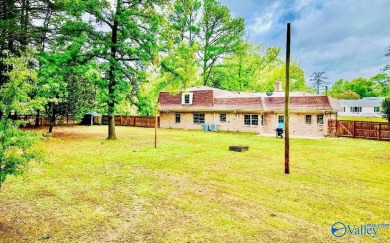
[(246, 112), (366, 107)]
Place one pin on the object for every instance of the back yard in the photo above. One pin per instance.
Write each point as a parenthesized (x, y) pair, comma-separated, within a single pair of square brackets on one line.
[(192, 189)]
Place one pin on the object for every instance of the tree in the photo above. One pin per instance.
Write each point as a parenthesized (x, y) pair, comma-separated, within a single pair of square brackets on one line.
[(67, 81), (184, 21), (381, 83), (23, 23), (363, 87), (243, 70), (387, 67), (15, 145), (386, 108), (123, 38), (347, 95), (220, 35), (317, 79)]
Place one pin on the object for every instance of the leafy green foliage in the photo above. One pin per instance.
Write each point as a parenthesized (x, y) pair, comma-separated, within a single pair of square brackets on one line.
[(378, 85), (67, 82), (122, 37), (16, 149), (15, 145), (184, 21), (386, 107), (220, 34)]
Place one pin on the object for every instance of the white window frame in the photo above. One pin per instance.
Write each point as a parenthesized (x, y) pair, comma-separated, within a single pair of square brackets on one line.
[(198, 120), (183, 98), (319, 123), (251, 119), (220, 117), (356, 109), (177, 115), (308, 121)]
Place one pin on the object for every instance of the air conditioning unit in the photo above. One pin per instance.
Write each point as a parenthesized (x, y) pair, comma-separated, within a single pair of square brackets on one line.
[(213, 127)]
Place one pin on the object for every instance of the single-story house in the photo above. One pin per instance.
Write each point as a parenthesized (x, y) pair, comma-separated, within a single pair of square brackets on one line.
[(365, 107), (246, 112)]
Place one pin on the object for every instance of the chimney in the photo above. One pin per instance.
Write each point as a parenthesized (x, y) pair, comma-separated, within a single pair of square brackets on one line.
[(278, 86)]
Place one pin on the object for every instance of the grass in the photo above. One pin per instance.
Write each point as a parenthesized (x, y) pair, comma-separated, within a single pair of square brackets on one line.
[(192, 189), (370, 119)]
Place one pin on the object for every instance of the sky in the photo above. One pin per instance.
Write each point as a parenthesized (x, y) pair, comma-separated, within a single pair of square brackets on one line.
[(344, 38)]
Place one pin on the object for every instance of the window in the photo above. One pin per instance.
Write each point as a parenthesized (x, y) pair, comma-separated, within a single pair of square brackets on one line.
[(186, 98), (255, 120), (247, 119), (377, 109), (280, 119), (251, 120), (262, 120), (177, 117), (356, 109), (308, 119), (199, 118), (320, 119), (343, 109), (222, 117)]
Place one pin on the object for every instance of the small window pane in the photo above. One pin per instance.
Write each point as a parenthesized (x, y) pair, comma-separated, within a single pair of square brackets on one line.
[(308, 119), (247, 119), (280, 119), (320, 119), (187, 98), (255, 120), (222, 117), (199, 118), (177, 118)]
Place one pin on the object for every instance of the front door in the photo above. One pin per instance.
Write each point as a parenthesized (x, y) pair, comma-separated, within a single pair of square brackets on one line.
[(281, 121)]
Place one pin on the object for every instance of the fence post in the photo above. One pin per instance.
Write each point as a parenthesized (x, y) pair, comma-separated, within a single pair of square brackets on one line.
[(354, 129), (380, 130)]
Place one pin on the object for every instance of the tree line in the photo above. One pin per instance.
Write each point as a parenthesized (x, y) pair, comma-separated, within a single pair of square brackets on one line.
[(116, 56)]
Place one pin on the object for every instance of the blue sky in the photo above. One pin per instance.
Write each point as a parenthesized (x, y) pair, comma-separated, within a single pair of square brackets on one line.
[(345, 38)]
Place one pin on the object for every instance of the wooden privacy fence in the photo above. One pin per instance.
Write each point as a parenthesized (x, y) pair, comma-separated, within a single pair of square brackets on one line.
[(134, 121), (359, 129), (45, 121)]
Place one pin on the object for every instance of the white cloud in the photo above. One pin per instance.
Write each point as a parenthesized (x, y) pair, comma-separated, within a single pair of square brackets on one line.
[(346, 39), (262, 24)]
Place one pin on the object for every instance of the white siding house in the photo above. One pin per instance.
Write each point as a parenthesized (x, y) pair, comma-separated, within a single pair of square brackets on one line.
[(366, 107)]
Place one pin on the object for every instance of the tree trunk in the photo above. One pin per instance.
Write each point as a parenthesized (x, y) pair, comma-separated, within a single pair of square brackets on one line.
[(111, 127), (111, 75), (52, 121)]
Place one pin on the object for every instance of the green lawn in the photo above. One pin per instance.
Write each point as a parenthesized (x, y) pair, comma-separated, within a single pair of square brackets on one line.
[(354, 118), (193, 189)]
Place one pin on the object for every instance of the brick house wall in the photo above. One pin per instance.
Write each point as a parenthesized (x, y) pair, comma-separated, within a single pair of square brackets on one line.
[(212, 102), (298, 124), (235, 122)]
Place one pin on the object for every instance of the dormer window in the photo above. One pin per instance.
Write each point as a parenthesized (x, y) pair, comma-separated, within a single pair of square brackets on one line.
[(187, 98)]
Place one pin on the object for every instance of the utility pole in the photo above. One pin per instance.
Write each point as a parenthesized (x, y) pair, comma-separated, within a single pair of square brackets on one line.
[(286, 106), (155, 129)]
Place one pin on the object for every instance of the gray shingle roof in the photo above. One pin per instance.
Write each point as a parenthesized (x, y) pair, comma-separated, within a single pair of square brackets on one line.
[(366, 101)]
